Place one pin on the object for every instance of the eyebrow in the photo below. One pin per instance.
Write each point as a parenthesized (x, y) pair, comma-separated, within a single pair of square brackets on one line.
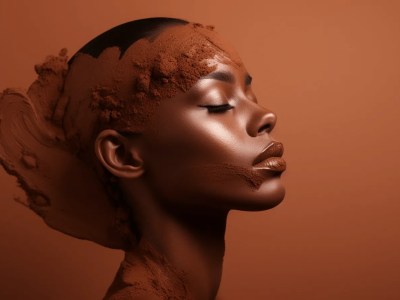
[(227, 77)]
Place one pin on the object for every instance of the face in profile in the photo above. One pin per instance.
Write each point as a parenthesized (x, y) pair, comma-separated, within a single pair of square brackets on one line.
[(202, 149), (208, 146)]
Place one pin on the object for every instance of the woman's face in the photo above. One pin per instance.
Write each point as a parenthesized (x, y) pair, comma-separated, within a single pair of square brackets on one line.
[(201, 146)]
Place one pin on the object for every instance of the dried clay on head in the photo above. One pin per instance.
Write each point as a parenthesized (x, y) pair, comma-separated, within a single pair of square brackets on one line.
[(47, 134)]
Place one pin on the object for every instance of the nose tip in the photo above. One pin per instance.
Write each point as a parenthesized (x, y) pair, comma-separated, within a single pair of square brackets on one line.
[(267, 123), (262, 122)]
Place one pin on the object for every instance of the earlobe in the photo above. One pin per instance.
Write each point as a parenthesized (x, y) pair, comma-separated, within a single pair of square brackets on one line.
[(118, 154)]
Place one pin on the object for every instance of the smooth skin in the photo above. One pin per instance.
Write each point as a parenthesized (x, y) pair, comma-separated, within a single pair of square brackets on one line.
[(174, 175)]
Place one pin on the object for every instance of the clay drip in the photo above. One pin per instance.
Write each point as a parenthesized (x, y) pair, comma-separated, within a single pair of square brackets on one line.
[(33, 149)]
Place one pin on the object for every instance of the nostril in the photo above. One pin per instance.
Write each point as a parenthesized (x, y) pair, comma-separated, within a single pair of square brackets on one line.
[(262, 122), (265, 128)]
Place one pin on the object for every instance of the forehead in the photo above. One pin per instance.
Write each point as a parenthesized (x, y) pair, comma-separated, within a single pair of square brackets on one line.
[(173, 60), (227, 78)]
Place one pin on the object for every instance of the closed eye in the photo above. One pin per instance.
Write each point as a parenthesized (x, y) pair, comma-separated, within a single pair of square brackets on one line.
[(218, 108)]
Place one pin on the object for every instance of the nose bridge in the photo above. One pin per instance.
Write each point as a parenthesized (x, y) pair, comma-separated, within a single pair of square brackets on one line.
[(261, 121)]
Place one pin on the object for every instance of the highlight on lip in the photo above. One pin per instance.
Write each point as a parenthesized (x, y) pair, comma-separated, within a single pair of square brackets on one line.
[(273, 163), (270, 158)]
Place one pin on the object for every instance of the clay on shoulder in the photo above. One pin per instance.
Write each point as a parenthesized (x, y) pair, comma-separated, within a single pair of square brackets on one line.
[(145, 274), (136, 293)]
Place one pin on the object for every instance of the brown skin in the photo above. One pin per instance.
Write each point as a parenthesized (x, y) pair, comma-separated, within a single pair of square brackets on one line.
[(175, 179)]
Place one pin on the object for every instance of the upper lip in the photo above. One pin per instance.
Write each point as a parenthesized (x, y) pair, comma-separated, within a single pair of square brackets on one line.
[(273, 149)]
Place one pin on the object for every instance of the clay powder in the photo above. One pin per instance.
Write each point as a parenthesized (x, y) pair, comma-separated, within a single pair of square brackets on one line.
[(47, 134)]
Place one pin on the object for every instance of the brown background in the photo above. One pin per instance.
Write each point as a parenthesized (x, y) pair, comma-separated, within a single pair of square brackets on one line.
[(329, 69)]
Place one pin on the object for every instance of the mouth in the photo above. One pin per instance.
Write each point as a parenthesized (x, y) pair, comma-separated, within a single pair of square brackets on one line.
[(270, 159)]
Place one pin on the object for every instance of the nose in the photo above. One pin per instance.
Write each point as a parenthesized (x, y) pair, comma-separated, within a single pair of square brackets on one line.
[(262, 121)]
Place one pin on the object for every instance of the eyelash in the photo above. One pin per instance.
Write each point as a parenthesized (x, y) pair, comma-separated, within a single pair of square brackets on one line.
[(218, 108)]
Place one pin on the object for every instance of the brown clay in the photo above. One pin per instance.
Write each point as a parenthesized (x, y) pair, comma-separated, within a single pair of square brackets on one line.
[(146, 150)]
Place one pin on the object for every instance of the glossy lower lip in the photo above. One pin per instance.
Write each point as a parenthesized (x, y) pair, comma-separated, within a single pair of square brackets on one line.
[(274, 149), (274, 164), (270, 159)]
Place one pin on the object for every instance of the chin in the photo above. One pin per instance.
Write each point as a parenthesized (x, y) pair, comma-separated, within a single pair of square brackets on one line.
[(267, 196)]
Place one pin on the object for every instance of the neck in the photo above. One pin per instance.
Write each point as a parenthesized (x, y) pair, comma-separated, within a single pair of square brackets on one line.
[(192, 243)]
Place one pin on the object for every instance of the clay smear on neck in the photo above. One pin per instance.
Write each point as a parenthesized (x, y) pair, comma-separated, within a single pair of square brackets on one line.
[(144, 272)]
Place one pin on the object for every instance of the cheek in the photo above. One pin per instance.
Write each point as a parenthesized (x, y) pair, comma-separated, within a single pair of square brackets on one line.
[(194, 138), (175, 146)]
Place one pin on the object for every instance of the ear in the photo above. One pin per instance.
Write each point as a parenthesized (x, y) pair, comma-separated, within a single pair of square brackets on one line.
[(119, 154)]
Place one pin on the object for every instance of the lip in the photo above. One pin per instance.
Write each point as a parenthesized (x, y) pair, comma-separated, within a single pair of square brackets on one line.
[(271, 158)]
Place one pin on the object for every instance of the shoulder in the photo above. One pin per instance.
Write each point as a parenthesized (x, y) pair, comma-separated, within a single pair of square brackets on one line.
[(132, 282), (133, 293), (146, 278)]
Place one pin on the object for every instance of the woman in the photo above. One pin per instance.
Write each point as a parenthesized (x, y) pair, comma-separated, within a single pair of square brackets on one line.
[(145, 141)]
